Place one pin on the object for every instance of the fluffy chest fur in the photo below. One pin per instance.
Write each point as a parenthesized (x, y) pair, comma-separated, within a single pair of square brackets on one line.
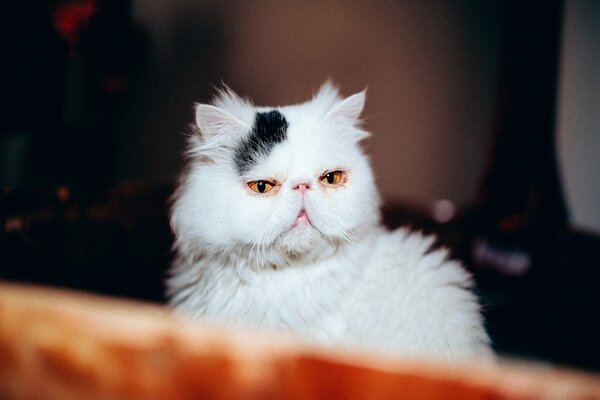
[(277, 225), (297, 298)]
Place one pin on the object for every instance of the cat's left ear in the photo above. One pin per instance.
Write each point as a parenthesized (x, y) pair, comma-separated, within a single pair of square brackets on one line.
[(349, 109), (214, 122)]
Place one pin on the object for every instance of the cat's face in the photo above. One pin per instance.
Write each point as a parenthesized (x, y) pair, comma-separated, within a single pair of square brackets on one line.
[(290, 179)]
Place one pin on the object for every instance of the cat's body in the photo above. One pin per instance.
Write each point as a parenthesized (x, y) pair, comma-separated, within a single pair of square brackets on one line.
[(277, 225)]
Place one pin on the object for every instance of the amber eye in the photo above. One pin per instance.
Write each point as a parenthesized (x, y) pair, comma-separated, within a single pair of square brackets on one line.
[(260, 186), (332, 178)]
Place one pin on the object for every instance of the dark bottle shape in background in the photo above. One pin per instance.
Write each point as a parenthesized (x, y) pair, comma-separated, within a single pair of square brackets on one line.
[(520, 201), (520, 211)]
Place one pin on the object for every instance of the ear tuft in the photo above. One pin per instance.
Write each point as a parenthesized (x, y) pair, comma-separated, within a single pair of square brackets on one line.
[(349, 109), (327, 95), (229, 101)]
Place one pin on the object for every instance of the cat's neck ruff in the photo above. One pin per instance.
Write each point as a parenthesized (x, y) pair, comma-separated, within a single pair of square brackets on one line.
[(253, 263)]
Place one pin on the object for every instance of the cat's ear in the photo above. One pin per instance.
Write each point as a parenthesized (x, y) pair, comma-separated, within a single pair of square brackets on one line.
[(349, 109), (214, 121)]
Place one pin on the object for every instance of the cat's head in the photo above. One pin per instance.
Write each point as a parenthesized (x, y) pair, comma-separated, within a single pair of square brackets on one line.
[(281, 181)]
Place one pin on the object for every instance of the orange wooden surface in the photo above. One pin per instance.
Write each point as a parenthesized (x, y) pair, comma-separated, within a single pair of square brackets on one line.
[(66, 345)]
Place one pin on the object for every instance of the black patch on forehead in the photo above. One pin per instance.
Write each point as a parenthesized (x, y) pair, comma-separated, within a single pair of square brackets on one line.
[(269, 129)]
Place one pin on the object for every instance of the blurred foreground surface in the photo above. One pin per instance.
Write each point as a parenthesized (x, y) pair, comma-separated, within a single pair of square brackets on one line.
[(60, 345)]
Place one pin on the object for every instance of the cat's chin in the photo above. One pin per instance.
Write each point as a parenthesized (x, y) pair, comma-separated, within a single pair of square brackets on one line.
[(302, 239)]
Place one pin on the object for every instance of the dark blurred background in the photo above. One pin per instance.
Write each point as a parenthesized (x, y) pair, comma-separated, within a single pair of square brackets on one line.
[(485, 120)]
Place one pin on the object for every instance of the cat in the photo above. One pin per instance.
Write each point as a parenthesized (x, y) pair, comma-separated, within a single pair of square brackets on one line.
[(277, 225)]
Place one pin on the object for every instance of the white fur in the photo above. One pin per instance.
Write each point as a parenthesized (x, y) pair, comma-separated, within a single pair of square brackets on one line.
[(342, 278)]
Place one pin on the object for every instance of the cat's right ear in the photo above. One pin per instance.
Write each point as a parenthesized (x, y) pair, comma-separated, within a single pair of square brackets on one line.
[(214, 122), (349, 109)]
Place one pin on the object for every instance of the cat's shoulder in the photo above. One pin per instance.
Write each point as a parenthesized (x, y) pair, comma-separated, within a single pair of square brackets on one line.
[(416, 257), (415, 295)]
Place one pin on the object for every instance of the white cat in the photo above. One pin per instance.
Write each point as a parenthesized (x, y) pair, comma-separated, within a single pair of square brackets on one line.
[(277, 225)]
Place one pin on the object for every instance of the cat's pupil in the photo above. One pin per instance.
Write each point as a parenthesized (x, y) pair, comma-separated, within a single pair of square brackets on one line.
[(261, 186), (330, 177)]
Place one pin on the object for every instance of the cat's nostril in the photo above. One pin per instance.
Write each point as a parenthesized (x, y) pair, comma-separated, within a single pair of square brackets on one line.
[(302, 187)]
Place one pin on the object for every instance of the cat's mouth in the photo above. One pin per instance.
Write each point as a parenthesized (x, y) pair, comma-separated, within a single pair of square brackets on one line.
[(302, 219)]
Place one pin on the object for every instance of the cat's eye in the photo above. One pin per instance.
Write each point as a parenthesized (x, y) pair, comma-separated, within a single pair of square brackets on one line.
[(332, 177), (260, 186)]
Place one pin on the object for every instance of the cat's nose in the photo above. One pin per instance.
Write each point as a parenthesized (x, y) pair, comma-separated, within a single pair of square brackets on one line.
[(302, 187)]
